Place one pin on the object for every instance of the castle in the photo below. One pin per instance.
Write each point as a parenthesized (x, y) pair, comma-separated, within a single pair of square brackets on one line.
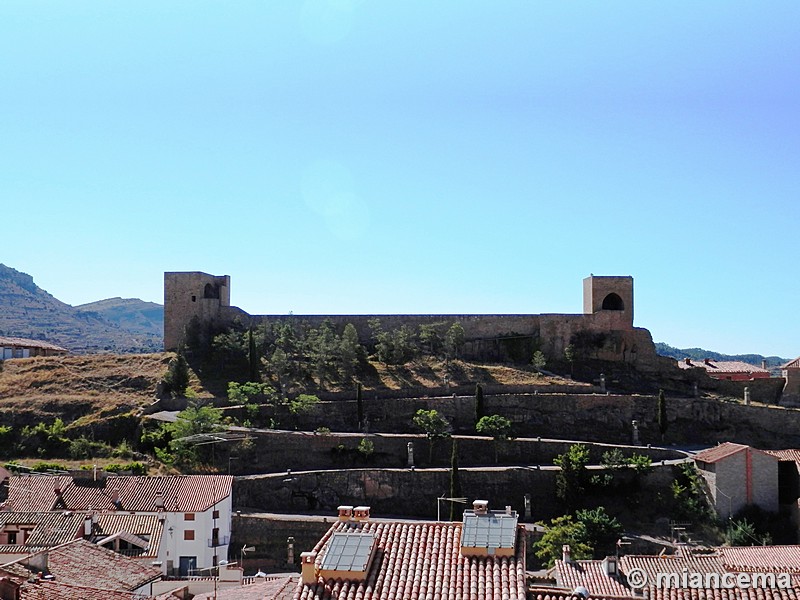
[(605, 329)]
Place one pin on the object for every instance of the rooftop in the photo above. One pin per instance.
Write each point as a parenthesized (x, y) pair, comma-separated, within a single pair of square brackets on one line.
[(421, 560), (27, 343), (177, 493), (722, 451), (721, 366)]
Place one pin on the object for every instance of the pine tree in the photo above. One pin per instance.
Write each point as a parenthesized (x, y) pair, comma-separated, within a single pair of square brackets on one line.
[(455, 480)]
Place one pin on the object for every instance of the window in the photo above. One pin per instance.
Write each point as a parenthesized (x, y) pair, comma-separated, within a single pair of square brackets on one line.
[(188, 517), (215, 514), (12, 538), (188, 535)]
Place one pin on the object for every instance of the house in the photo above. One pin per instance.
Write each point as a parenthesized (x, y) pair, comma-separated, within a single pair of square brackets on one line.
[(14, 347), (193, 511), (736, 476), (85, 565), (791, 389), (789, 484), (733, 370), (481, 557), (662, 576)]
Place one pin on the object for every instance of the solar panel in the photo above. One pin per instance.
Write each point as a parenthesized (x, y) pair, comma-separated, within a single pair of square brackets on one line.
[(493, 530), (349, 552)]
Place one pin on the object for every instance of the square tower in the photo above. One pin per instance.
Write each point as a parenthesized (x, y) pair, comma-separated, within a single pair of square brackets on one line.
[(612, 294)]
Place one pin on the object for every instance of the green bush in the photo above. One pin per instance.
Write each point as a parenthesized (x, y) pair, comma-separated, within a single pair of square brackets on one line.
[(49, 466), (135, 468)]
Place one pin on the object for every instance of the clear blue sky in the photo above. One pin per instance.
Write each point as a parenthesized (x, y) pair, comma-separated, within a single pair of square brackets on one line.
[(337, 156)]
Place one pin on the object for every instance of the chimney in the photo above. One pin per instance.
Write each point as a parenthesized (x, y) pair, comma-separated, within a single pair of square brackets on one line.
[(481, 507), (308, 574), (87, 526), (565, 553), (361, 513), (159, 501), (115, 496), (707, 361), (610, 566), (764, 363), (9, 589), (345, 512), (687, 361), (508, 510)]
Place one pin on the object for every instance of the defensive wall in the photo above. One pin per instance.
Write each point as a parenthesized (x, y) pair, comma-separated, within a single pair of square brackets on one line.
[(414, 493), (277, 451), (606, 327)]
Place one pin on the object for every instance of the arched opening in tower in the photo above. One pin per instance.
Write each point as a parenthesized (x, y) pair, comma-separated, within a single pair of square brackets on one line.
[(211, 291), (613, 302)]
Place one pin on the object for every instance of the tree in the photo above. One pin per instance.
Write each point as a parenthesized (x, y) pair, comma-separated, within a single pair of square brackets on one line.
[(192, 421), (454, 340), (303, 404), (360, 407), (430, 338), (479, 408), (348, 352), (325, 348), (662, 414), (602, 530), (433, 424), (569, 354), (561, 531), (455, 479), (251, 392), (495, 426), (538, 361), (572, 477), (176, 379), (252, 356)]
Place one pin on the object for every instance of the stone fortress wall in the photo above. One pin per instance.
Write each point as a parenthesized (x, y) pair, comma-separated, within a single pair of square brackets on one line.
[(607, 300)]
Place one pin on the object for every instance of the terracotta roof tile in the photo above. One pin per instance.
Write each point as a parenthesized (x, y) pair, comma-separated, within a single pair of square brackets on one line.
[(765, 559), (792, 364), (82, 563), (181, 493), (717, 453), (281, 588), (789, 454), (589, 574), (722, 366), (28, 343), (422, 560)]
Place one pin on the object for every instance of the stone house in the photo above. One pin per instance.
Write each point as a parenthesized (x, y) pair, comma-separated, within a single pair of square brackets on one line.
[(732, 370), (736, 476), (14, 347)]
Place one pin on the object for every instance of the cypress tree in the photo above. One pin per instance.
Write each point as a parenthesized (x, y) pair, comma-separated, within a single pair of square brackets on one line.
[(455, 480), (662, 414), (478, 402), (359, 407), (252, 355)]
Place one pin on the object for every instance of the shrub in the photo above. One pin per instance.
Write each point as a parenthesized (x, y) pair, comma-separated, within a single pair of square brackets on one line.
[(366, 447), (135, 468), (49, 466)]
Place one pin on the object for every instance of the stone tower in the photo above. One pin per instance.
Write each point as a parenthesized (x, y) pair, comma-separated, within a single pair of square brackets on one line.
[(192, 294), (610, 296)]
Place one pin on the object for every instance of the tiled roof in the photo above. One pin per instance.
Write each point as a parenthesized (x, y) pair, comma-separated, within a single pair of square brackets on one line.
[(721, 366), (50, 528), (654, 564), (423, 560), (281, 588), (666, 593), (589, 574), (766, 559), (58, 590), (27, 343), (717, 453), (792, 364), (789, 454), (145, 526), (181, 493), (82, 563)]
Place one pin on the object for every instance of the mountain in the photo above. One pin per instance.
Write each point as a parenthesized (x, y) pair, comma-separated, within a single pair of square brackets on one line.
[(28, 311), (130, 314), (699, 354)]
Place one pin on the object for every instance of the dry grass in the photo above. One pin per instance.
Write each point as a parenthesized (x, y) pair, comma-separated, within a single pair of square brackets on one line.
[(69, 387)]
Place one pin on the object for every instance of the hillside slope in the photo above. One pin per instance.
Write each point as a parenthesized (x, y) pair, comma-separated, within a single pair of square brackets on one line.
[(130, 314), (28, 311)]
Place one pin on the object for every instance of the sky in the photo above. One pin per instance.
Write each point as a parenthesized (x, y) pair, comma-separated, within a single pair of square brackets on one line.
[(345, 156)]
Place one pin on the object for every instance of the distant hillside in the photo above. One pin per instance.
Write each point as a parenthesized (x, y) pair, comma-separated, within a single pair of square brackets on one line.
[(28, 311), (699, 354), (130, 314)]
